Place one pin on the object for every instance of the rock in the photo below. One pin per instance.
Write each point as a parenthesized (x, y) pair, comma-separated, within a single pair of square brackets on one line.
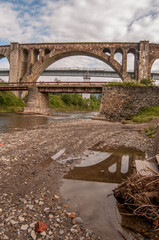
[(40, 226), (23, 200), (13, 222), (71, 214), (33, 235), (24, 227), (32, 225), (21, 219), (43, 233), (61, 231), (30, 207), (5, 237), (46, 209), (77, 220), (8, 219), (41, 203), (56, 197), (58, 220), (74, 231), (51, 215)]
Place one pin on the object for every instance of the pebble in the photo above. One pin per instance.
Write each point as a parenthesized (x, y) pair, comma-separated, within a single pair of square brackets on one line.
[(77, 220), (24, 227), (33, 235), (61, 232), (21, 219)]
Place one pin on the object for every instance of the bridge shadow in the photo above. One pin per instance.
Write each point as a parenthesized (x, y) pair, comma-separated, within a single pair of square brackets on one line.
[(113, 169)]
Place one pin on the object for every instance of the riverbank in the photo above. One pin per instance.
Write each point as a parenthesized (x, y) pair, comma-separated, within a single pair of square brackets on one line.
[(30, 179)]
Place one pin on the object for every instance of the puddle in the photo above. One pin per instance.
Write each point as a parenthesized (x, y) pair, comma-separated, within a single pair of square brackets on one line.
[(88, 189)]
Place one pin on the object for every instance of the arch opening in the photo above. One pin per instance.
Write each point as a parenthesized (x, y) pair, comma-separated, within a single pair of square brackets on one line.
[(107, 51), (78, 63), (155, 71), (4, 68), (36, 54), (47, 51), (131, 62), (118, 56)]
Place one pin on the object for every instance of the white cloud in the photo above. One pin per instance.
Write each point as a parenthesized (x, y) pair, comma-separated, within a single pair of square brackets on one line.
[(79, 20)]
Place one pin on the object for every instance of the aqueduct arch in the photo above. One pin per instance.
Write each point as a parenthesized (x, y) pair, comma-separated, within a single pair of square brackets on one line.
[(28, 61), (47, 60)]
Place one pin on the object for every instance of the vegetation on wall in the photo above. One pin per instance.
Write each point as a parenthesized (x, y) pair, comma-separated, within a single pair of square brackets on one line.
[(73, 102), (132, 83)]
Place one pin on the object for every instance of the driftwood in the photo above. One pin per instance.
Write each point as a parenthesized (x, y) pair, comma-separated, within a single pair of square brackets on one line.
[(139, 196)]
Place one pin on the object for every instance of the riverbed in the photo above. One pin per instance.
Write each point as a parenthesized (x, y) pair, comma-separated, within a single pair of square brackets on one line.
[(31, 176)]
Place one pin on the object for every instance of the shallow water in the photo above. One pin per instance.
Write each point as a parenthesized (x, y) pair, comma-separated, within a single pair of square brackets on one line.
[(10, 121), (88, 189)]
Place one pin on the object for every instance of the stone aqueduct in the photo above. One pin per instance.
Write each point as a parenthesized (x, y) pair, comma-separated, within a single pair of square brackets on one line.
[(28, 61)]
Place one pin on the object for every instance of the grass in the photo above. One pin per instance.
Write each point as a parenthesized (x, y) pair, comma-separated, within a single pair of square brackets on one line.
[(150, 131), (10, 103), (146, 114)]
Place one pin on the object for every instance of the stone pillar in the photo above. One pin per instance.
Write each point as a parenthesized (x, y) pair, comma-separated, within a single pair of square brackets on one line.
[(14, 62), (136, 57), (143, 64), (37, 102), (124, 66)]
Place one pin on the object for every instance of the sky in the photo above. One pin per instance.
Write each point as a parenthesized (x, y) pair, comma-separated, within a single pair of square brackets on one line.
[(28, 21)]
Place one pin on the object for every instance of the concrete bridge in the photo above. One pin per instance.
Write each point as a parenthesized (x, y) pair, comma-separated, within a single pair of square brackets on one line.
[(86, 73), (28, 61)]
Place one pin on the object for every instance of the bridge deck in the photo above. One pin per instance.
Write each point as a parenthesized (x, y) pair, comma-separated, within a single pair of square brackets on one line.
[(54, 87)]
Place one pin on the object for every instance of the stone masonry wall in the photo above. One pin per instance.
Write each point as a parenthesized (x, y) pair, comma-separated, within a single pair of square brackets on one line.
[(119, 102)]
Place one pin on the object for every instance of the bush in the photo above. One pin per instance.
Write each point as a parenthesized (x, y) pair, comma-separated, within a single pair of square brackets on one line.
[(146, 81), (73, 101), (9, 101)]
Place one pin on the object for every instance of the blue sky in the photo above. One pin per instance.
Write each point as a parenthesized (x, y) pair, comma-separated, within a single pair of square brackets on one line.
[(27, 21)]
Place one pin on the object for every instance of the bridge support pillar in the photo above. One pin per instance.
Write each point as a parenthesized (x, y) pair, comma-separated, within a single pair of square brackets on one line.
[(143, 61), (14, 62), (38, 103)]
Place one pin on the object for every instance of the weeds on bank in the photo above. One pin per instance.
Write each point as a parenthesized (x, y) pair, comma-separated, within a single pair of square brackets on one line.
[(150, 131), (145, 115)]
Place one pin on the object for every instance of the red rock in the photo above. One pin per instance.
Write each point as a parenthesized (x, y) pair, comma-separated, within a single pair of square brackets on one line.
[(71, 214), (40, 226)]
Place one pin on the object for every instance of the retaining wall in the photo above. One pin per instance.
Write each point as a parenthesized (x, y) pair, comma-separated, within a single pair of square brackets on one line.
[(119, 102)]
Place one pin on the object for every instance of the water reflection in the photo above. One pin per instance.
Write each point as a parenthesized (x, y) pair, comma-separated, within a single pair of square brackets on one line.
[(88, 184), (105, 167)]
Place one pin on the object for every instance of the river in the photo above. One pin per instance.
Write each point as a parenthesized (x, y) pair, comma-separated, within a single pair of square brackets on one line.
[(9, 121)]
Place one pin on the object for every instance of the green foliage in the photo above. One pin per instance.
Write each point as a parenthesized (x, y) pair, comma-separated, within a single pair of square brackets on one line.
[(132, 83), (9, 102), (150, 131), (146, 81), (146, 114), (73, 102), (125, 84)]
